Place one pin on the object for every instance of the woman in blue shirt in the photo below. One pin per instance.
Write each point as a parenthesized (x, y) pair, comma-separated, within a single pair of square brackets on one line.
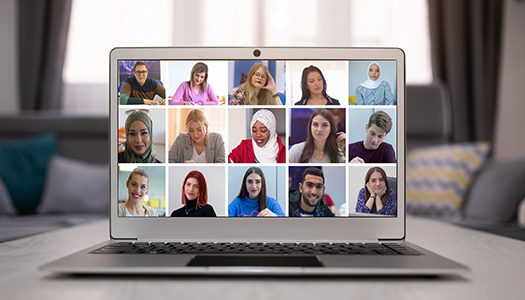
[(252, 200), (374, 91)]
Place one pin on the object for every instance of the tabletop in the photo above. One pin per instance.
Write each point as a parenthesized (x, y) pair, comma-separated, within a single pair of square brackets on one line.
[(497, 272)]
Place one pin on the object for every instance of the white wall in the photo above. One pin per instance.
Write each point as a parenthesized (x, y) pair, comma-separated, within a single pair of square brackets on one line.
[(8, 46), (509, 132)]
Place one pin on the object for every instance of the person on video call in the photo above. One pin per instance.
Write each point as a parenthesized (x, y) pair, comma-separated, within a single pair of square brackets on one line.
[(265, 146), (373, 149), (140, 89), (197, 90), (137, 184), (374, 91), (252, 200), (313, 87), (321, 143), (194, 197), (197, 144), (328, 200), (376, 197), (259, 89), (139, 142), (308, 200)]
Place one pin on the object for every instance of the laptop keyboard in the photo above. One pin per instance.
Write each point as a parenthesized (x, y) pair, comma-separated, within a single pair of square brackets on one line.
[(257, 248)]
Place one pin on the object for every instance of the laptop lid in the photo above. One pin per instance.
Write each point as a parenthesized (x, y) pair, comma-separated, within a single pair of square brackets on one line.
[(346, 78)]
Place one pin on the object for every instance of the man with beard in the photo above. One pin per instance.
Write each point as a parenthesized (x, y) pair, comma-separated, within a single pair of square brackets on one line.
[(308, 200)]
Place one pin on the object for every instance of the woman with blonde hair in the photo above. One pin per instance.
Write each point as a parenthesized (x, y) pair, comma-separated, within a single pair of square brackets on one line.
[(259, 89), (197, 90), (197, 144), (137, 184)]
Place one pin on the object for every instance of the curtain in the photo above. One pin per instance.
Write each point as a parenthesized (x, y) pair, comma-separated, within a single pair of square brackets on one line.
[(465, 45), (42, 37)]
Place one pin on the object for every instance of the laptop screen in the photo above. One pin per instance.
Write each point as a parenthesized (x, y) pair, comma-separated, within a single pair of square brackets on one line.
[(238, 138)]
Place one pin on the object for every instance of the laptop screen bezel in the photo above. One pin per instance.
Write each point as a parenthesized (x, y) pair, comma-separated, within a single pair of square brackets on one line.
[(258, 229)]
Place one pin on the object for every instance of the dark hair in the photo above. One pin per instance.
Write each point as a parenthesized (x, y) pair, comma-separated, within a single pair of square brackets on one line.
[(382, 120), (312, 171), (202, 198), (199, 68), (263, 203), (306, 92), (139, 63), (367, 178), (330, 146)]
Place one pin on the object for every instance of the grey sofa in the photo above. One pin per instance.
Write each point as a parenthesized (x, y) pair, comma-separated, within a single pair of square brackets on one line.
[(83, 139), (495, 200)]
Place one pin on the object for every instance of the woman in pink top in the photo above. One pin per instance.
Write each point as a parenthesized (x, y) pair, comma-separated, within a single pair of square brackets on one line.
[(195, 91)]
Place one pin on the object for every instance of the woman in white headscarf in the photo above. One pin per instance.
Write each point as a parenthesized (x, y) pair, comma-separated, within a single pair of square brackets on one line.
[(265, 146), (374, 91)]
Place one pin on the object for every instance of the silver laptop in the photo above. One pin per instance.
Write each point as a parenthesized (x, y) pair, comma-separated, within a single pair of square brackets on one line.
[(257, 161)]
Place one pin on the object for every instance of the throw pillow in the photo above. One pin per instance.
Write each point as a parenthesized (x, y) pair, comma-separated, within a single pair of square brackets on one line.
[(74, 186), (497, 192), (437, 178), (6, 208), (23, 170)]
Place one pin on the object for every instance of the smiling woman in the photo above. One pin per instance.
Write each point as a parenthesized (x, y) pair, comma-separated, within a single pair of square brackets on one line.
[(139, 143), (252, 200), (376, 197), (137, 185), (265, 145)]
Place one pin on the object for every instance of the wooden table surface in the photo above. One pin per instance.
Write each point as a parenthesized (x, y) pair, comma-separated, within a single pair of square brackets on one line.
[(497, 272)]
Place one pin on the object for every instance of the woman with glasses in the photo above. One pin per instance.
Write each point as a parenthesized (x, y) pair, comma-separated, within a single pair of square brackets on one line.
[(140, 89), (139, 142), (313, 87), (197, 144), (259, 89), (252, 200), (321, 143), (376, 197), (197, 90), (194, 197), (265, 146)]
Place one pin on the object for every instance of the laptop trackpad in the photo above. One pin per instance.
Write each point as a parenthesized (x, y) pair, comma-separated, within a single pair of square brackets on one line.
[(254, 261)]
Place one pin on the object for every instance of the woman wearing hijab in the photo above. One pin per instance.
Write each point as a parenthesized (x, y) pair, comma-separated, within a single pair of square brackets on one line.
[(374, 91), (265, 146), (139, 142)]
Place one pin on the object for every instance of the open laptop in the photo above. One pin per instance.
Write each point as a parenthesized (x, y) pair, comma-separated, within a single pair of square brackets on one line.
[(320, 223)]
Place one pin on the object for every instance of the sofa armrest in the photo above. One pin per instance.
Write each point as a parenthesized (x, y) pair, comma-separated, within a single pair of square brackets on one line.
[(521, 214)]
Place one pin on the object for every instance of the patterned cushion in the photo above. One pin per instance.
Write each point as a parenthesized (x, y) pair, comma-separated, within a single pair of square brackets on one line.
[(437, 178)]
